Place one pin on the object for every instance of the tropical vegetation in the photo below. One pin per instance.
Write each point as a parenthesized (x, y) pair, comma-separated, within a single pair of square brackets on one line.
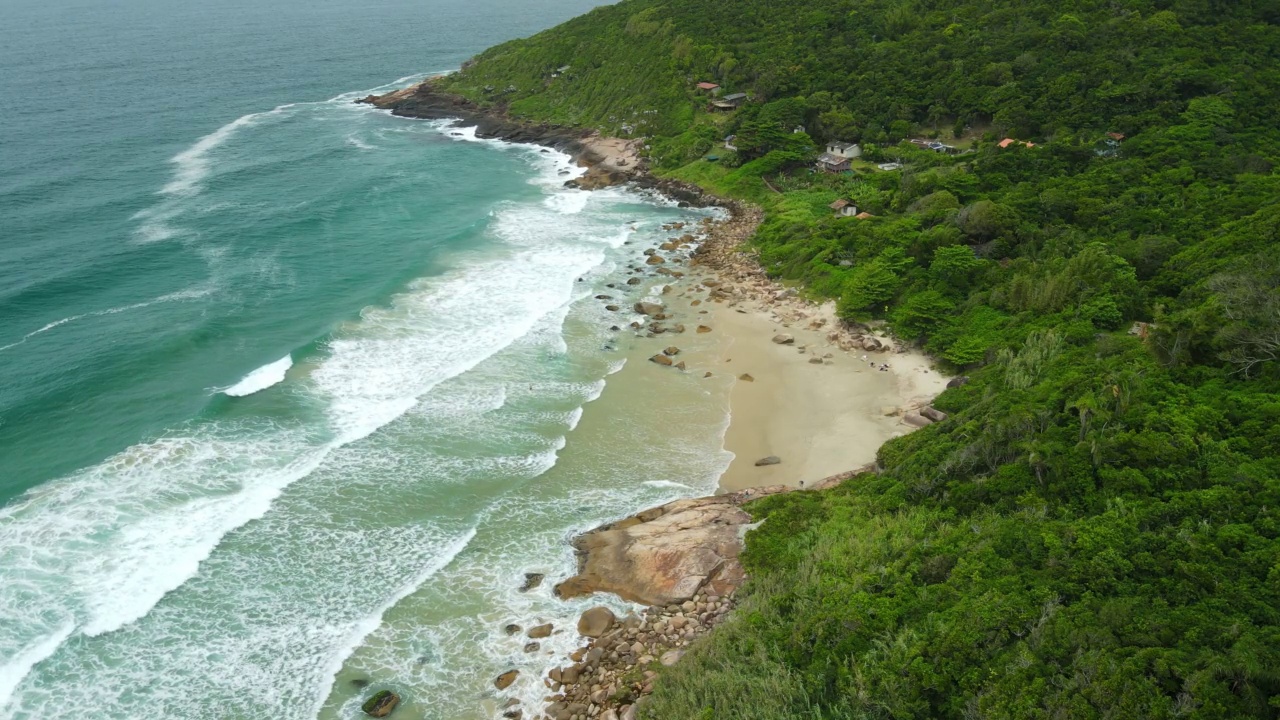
[(1095, 530)]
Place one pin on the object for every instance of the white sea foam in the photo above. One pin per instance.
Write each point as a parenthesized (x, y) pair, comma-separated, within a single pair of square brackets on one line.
[(188, 294), (262, 378), (666, 484), (17, 667), (192, 165)]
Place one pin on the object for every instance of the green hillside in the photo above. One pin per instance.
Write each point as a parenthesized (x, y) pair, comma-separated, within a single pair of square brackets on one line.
[(1095, 531)]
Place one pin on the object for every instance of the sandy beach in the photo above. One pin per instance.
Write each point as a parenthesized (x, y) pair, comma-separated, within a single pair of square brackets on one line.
[(803, 387)]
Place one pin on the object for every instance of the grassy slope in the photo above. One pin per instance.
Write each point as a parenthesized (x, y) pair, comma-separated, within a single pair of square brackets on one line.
[(1094, 531)]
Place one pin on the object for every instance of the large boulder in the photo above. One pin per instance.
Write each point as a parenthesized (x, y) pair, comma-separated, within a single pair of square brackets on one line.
[(783, 339), (380, 704), (503, 681), (665, 555), (915, 419), (661, 360), (596, 622), (541, 631), (649, 308), (531, 581), (771, 460), (956, 382), (933, 414)]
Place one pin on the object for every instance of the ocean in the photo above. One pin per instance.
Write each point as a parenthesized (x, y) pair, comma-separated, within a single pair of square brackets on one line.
[(293, 393)]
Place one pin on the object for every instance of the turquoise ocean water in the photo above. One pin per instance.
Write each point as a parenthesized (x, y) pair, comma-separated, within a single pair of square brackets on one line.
[(290, 389)]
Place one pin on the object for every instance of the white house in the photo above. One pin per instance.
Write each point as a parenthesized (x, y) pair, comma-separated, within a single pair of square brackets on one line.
[(844, 149), (844, 208)]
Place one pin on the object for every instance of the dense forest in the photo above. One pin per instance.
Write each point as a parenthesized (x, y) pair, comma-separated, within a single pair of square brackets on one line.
[(1095, 530)]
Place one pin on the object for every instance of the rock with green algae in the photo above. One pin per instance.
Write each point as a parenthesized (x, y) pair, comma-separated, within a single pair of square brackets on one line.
[(380, 704)]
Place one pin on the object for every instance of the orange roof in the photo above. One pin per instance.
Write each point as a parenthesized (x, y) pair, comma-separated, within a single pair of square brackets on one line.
[(1009, 141), (707, 86), (1115, 136), (840, 204), (864, 215)]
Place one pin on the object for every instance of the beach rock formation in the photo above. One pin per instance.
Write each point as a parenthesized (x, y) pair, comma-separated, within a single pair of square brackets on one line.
[(541, 631), (380, 704), (503, 681), (771, 460), (665, 555)]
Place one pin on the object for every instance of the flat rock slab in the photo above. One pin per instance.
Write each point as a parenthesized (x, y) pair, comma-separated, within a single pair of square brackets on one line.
[(665, 555)]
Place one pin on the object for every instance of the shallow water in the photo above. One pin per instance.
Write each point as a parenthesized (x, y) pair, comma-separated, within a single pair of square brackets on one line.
[(293, 392)]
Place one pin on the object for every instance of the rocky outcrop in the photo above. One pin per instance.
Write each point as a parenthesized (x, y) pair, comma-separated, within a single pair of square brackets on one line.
[(666, 555), (380, 704)]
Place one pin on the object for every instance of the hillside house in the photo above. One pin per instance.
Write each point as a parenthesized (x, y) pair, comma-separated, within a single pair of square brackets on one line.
[(709, 87), (844, 149), (828, 162), (729, 102), (844, 208), (728, 142), (863, 215)]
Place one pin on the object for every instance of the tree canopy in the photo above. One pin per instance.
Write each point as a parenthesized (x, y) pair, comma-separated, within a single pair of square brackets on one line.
[(1094, 532)]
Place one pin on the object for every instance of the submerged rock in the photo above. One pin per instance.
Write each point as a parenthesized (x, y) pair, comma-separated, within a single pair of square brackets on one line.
[(531, 581), (503, 681), (381, 704)]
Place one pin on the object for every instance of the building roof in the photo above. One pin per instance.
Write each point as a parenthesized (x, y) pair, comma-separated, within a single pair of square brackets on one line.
[(864, 215), (829, 159), (707, 86), (1010, 141), (736, 96), (840, 145), (1115, 136), (840, 204)]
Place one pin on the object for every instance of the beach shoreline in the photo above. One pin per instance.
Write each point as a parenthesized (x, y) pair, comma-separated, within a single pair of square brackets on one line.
[(806, 401)]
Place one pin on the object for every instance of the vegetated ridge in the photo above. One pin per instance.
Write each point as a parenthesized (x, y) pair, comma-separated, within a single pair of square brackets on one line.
[(1094, 530)]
